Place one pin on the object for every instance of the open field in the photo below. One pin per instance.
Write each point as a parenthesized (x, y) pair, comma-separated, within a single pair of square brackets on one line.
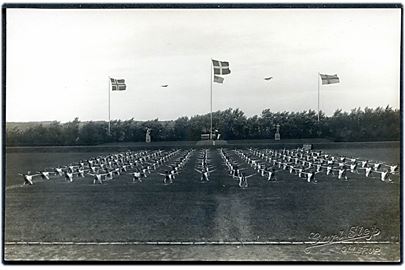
[(264, 143), (120, 220)]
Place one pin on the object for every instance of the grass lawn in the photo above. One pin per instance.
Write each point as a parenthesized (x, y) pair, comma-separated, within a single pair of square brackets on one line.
[(118, 211)]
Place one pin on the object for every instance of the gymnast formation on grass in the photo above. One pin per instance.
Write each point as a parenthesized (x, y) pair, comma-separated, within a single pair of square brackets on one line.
[(234, 170), (104, 168), (204, 166), (267, 163), (175, 168), (307, 164)]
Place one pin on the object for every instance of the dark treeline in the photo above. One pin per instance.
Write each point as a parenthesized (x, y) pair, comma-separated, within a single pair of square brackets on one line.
[(380, 124)]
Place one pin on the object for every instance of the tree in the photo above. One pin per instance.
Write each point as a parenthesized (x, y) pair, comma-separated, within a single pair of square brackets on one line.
[(359, 125), (93, 133), (70, 132)]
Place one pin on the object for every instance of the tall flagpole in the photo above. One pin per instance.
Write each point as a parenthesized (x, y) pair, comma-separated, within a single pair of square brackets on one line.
[(109, 109), (318, 94), (211, 102)]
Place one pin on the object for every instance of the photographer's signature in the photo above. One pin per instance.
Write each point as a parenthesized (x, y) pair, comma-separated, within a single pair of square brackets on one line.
[(353, 234)]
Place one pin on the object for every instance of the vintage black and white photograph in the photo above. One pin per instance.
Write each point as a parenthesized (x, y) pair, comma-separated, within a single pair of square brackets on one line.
[(202, 133)]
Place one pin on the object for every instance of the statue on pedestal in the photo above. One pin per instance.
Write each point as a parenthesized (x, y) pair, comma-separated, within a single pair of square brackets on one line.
[(277, 134), (147, 137)]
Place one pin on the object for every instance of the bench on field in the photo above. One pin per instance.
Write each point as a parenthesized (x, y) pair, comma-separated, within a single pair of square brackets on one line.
[(205, 136)]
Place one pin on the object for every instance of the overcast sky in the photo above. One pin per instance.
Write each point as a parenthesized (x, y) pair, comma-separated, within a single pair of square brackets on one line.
[(59, 61)]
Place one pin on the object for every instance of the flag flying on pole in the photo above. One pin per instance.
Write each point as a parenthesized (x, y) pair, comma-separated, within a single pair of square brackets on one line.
[(218, 79), (221, 67), (118, 84), (329, 79)]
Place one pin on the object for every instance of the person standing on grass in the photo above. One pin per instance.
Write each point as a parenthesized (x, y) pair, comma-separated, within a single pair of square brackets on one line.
[(237, 171), (44, 175), (97, 178), (143, 172), (284, 165), (80, 172), (243, 182), (329, 170), (59, 170), (154, 164), (167, 178), (310, 174), (204, 174), (385, 175), (376, 166), (271, 174), (393, 169), (291, 169), (342, 173), (71, 168), (262, 171), (90, 162), (124, 168), (136, 176), (28, 178), (318, 168), (109, 175), (367, 169), (117, 171), (300, 171), (69, 176), (131, 165), (92, 169), (172, 173), (353, 168)]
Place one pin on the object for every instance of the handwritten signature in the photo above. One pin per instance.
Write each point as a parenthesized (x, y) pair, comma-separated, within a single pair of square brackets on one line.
[(351, 234)]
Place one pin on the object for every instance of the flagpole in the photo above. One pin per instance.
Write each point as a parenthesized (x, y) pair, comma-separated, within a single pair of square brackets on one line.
[(318, 94), (109, 105), (211, 103)]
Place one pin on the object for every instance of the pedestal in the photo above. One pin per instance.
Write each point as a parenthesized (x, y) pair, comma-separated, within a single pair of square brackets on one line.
[(277, 136)]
